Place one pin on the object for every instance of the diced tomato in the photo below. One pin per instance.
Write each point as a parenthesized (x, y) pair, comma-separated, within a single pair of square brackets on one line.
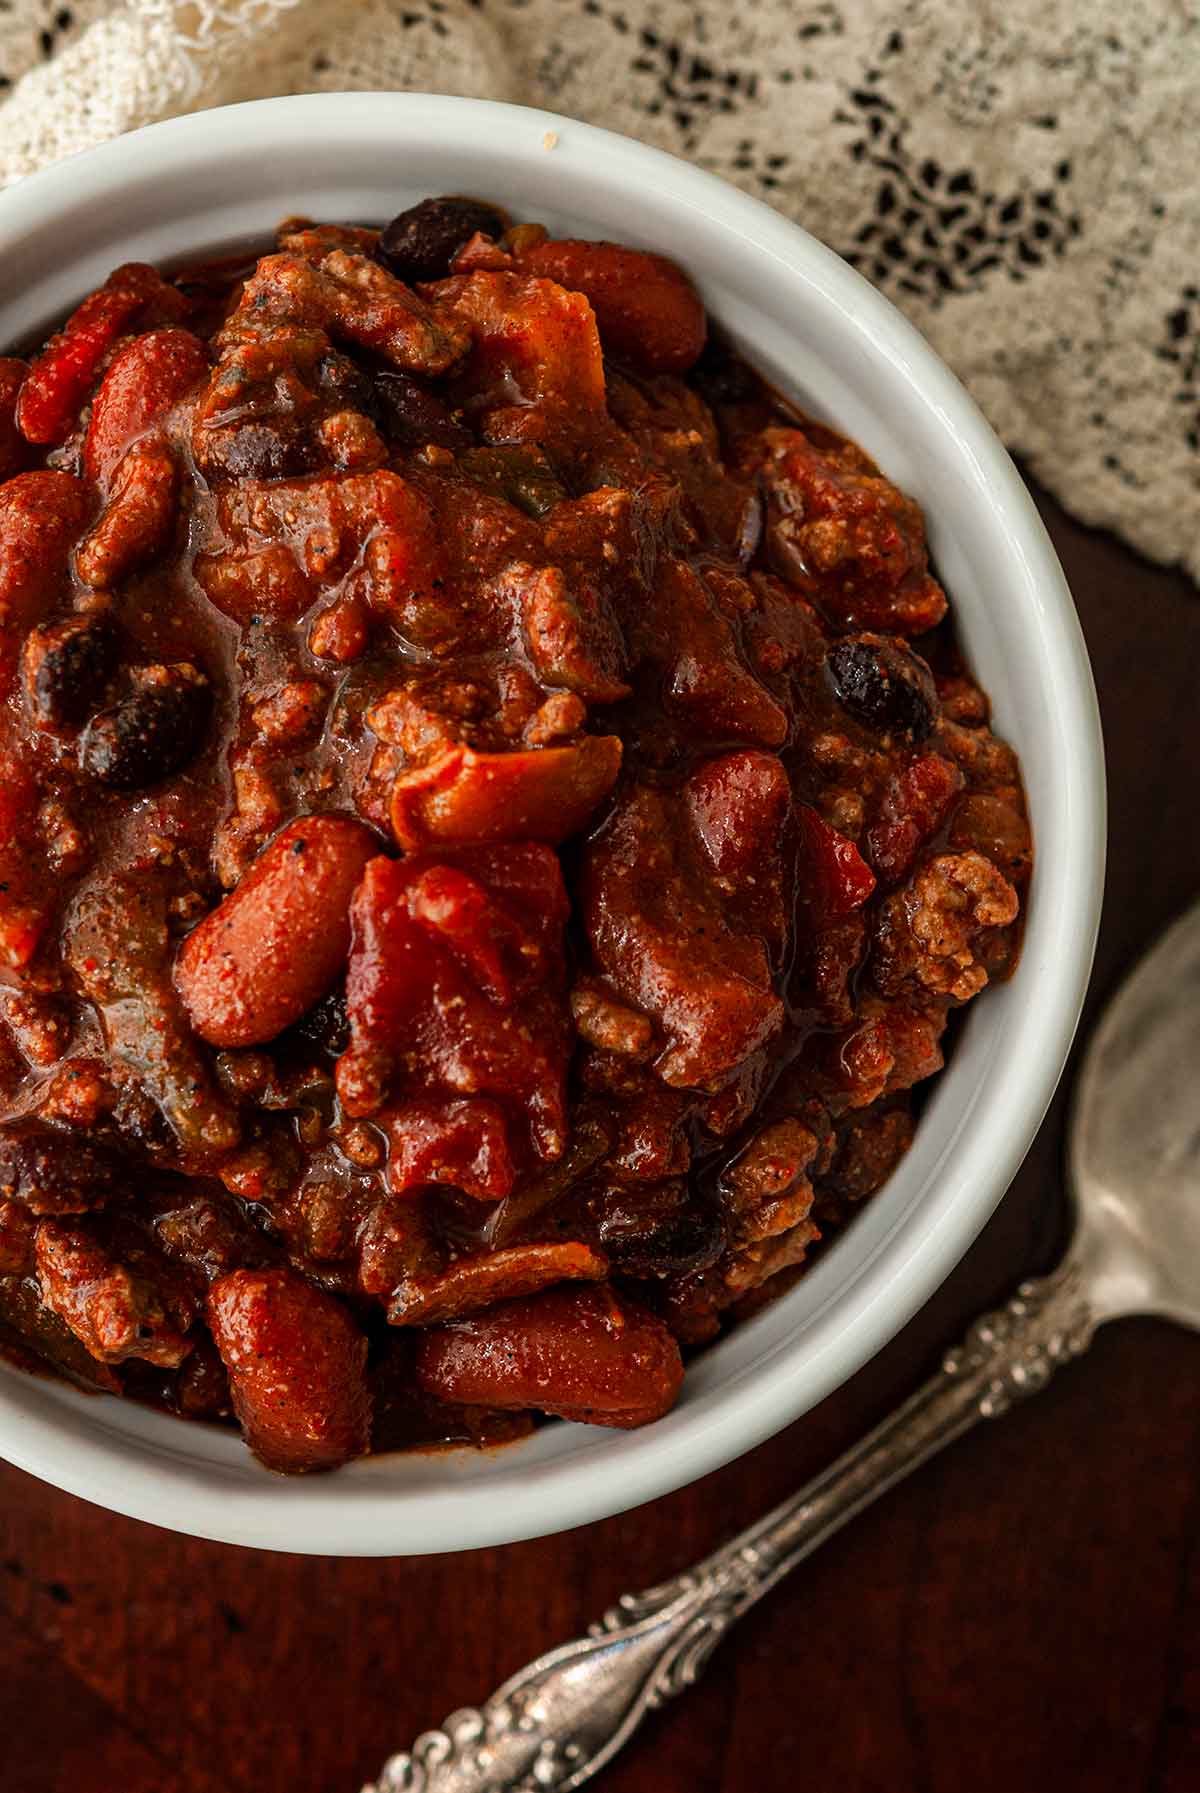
[(914, 804), (737, 803), (445, 1021), (496, 952), (834, 877), (463, 1143)]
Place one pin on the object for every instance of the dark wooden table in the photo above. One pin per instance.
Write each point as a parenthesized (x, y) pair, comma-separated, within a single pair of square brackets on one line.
[(1023, 1615)]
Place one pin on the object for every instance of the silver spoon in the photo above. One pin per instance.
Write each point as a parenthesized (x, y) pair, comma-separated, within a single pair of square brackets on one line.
[(1134, 1169)]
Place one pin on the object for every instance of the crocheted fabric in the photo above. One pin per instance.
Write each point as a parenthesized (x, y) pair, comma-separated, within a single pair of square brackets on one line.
[(1020, 177)]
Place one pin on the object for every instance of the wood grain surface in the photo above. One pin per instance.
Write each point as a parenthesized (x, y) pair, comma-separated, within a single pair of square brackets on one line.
[(1023, 1615)]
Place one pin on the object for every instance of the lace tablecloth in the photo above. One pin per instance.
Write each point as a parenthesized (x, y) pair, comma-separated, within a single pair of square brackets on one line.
[(1018, 175)]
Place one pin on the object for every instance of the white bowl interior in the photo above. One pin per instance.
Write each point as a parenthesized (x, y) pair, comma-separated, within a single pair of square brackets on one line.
[(826, 338)]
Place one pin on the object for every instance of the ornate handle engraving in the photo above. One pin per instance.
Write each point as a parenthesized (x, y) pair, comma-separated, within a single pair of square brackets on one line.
[(1015, 1351), (559, 1720)]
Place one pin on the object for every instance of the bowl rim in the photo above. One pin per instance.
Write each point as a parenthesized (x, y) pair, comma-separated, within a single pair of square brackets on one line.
[(327, 1516)]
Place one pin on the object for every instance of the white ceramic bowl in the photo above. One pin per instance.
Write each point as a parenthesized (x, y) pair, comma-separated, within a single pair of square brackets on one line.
[(821, 333)]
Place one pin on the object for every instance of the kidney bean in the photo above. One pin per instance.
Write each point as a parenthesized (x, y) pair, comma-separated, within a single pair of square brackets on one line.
[(142, 384), (296, 1364), (583, 1353), (59, 379), (68, 667), (884, 685), (647, 310), (63, 374), (419, 244), (151, 734), (274, 946)]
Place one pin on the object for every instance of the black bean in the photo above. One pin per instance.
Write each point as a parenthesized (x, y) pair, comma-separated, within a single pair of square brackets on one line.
[(658, 1232), (325, 1026), (420, 243), (68, 669), (721, 377), (275, 448), (412, 415), (152, 733), (339, 378), (53, 1172), (884, 685)]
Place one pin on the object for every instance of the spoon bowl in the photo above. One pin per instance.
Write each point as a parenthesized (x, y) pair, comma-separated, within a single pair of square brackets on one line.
[(1134, 1159)]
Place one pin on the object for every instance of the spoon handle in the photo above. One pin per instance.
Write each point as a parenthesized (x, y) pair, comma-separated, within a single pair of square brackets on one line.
[(561, 1718)]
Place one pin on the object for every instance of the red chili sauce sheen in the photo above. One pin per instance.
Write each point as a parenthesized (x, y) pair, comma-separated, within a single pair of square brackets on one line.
[(493, 829)]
